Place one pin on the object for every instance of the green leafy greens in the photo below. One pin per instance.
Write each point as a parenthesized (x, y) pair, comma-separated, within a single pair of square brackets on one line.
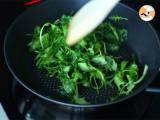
[(88, 63)]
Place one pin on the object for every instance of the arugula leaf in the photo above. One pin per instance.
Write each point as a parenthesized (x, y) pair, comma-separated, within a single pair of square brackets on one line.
[(117, 18), (100, 60), (111, 64), (118, 80), (89, 63), (127, 77), (84, 67), (79, 100), (143, 75)]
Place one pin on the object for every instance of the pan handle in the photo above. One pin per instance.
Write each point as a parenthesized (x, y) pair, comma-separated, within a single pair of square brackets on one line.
[(153, 90), (154, 87)]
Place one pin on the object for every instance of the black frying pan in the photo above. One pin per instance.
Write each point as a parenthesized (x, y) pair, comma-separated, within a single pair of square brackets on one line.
[(142, 39)]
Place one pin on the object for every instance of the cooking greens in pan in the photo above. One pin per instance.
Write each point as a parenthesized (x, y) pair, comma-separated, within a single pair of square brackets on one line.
[(91, 63)]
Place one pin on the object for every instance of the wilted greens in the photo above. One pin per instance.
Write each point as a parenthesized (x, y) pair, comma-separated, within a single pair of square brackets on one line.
[(89, 63)]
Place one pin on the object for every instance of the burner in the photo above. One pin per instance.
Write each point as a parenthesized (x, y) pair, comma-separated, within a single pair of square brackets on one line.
[(33, 107)]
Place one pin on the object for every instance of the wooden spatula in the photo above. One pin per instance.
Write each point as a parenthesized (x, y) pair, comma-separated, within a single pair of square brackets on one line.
[(88, 18)]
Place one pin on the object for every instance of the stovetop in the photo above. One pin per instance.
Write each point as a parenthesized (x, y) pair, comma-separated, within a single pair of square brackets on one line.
[(21, 104)]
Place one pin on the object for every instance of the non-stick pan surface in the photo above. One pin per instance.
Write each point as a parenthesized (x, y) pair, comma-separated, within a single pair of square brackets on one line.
[(142, 40)]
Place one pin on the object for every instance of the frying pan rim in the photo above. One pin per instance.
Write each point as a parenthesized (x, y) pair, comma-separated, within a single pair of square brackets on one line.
[(59, 102)]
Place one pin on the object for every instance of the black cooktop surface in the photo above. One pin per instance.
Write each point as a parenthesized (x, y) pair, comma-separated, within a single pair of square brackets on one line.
[(21, 104)]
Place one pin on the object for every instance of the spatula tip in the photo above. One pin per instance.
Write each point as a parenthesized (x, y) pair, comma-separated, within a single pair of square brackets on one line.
[(70, 40)]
